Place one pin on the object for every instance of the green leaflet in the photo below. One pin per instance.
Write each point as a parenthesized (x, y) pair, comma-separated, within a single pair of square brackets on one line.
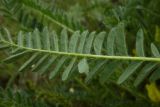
[(120, 40), (144, 73), (134, 65), (89, 42), (28, 63), (58, 67), (18, 50), (39, 63), (20, 39), (94, 70), (16, 56), (83, 66), (98, 42), (37, 40), (73, 72), (157, 34), (55, 38), (8, 35), (46, 38), (140, 43), (64, 41), (129, 71), (82, 41), (4, 47), (52, 44), (111, 41), (116, 40), (48, 47), (29, 40), (68, 69), (154, 50), (74, 42), (108, 71), (155, 75), (1, 37), (47, 64)]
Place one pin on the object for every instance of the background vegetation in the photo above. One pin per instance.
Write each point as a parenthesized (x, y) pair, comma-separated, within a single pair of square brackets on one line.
[(122, 28)]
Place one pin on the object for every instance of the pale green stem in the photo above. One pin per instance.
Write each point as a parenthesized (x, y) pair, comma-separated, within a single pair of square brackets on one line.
[(87, 55)]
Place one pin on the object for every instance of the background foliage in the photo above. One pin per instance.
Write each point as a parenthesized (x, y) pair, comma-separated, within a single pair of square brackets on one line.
[(117, 28)]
